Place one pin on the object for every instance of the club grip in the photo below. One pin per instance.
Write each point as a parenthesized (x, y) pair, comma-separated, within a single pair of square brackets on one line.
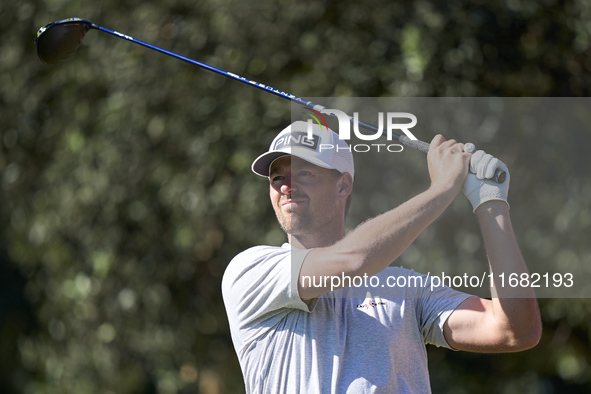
[(415, 144), (499, 177)]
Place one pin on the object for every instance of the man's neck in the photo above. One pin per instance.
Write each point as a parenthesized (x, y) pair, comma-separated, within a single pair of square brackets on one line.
[(317, 240)]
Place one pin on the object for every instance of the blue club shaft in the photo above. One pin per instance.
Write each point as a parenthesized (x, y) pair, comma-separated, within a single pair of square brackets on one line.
[(418, 145)]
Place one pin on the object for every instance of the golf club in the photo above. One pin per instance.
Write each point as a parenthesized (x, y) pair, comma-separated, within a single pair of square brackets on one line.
[(58, 40)]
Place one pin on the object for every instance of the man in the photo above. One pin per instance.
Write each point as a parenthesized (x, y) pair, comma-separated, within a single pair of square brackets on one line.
[(294, 333)]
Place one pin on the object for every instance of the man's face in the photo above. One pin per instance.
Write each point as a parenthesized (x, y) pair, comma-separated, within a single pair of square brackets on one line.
[(304, 196)]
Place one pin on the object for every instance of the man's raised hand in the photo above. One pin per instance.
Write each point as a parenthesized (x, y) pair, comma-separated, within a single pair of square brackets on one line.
[(478, 187)]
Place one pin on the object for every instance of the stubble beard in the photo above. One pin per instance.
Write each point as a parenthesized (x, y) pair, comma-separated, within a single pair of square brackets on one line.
[(295, 224)]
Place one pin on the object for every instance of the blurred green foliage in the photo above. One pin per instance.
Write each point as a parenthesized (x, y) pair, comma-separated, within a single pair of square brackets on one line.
[(126, 186)]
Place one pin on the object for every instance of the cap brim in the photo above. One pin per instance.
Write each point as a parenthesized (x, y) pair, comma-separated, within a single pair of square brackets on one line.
[(262, 164)]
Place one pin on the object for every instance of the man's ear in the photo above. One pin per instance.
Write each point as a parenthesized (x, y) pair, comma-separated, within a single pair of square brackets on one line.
[(345, 185)]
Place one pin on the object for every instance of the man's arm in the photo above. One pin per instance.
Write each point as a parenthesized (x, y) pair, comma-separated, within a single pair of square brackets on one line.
[(375, 244), (511, 320)]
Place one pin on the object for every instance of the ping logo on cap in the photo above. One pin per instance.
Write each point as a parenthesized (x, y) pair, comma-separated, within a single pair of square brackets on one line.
[(297, 138)]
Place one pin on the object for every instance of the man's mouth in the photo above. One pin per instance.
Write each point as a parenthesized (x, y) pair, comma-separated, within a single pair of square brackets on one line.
[(293, 202)]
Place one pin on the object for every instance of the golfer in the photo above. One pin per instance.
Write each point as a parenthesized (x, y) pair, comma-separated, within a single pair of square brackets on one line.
[(296, 330)]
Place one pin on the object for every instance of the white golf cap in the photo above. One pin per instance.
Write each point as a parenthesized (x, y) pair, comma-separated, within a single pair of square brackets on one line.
[(325, 149)]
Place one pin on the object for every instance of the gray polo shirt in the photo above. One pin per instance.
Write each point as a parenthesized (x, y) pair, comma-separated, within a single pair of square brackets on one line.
[(353, 340)]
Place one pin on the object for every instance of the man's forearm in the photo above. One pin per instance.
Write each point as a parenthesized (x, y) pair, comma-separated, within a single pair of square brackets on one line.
[(373, 245), (514, 308)]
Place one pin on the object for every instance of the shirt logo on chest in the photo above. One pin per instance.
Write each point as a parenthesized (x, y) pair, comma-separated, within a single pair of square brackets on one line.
[(370, 304)]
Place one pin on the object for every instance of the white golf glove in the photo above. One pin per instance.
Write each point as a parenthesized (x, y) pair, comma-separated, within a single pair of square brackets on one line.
[(478, 187)]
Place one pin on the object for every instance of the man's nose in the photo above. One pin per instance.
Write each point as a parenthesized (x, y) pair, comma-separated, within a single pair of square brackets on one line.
[(287, 186)]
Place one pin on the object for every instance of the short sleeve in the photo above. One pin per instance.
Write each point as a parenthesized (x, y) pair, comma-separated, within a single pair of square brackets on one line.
[(434, 307), (262, 280)]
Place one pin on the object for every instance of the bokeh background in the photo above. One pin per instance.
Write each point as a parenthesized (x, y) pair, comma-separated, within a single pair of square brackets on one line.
[(126, 186)]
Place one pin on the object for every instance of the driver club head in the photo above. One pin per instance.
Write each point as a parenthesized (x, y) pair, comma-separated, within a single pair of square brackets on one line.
[(58, 40)]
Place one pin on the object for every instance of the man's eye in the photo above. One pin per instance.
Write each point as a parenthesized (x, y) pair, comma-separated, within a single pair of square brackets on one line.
[(301, 173)]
